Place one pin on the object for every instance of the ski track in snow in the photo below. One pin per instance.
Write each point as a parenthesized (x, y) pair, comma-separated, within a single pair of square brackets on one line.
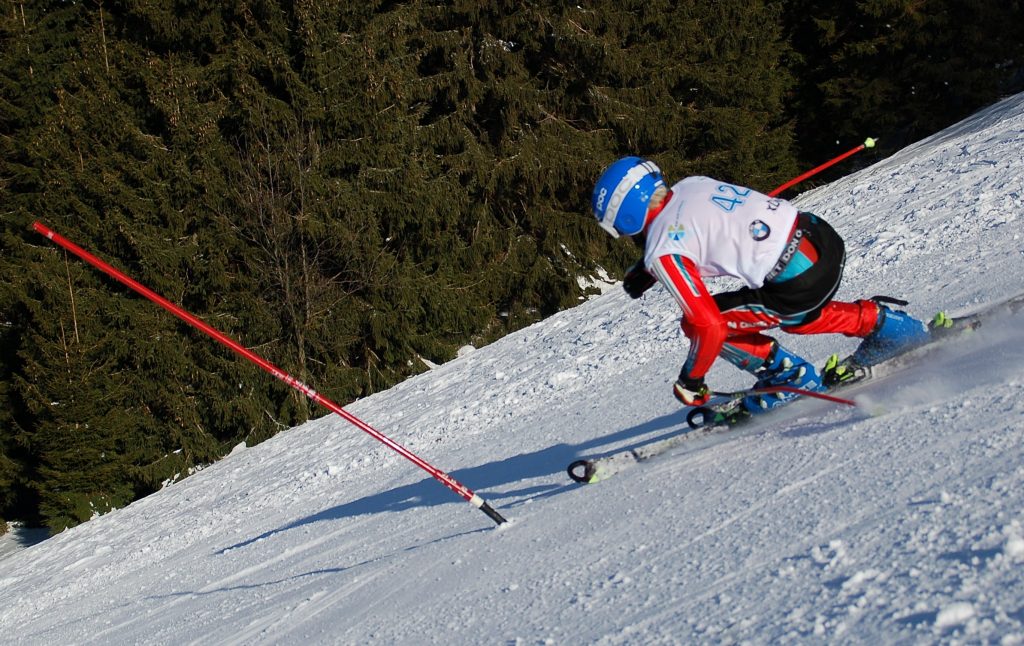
[(899, 521)]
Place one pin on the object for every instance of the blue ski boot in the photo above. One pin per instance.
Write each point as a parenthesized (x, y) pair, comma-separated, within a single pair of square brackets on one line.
[(895, 333), (783, 368)]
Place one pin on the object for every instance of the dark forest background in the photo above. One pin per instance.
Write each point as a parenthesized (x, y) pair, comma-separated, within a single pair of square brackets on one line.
[(350, 187)]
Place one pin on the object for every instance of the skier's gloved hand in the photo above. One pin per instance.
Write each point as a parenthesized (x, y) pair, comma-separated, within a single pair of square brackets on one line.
[(637, 280), (691, 392)]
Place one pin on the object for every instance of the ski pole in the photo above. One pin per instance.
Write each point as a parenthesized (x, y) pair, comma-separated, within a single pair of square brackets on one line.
[(698, 417), (316, 397), (767, 390), (868, 143), (802, 391)]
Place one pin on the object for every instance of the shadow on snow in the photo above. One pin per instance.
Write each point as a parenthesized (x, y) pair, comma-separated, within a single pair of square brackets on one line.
[(492, 476)]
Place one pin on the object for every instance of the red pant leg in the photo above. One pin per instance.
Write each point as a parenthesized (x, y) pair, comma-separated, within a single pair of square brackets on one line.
[(856, 319), (747, 351), (745, 347)]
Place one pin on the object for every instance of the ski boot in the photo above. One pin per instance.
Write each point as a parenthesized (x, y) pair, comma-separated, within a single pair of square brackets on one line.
[(895, 333), (783, 368)]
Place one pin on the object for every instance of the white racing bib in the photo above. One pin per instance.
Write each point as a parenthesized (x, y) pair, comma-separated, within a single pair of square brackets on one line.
[(726, 230)]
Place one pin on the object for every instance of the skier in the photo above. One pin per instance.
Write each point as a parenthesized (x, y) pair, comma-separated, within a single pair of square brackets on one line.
[(791, 262)]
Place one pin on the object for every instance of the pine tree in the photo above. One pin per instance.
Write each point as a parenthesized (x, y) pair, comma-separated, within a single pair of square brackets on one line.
[(898, 70), (102, 412), (352, 188)]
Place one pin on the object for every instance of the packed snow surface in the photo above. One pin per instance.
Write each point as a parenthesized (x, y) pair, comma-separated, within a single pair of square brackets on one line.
[(900, 520)]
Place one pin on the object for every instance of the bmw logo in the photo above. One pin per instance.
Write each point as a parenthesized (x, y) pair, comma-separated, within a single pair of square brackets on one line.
[(759, 230)]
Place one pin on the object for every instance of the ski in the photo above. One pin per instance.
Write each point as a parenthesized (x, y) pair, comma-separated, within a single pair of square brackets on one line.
[(942, 328), (725, 414), (590, 471), (727, 411)]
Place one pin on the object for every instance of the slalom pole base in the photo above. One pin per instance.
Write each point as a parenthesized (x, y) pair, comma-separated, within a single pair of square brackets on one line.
[(494, 515)]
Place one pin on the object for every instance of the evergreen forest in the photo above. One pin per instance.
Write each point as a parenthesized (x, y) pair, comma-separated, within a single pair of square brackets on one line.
[(355, 189)]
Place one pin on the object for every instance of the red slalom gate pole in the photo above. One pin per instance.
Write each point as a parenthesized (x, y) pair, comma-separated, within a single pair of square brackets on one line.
[(868, 143), (317, 398)]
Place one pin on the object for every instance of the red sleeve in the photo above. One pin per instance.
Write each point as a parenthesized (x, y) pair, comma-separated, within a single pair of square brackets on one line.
[(702, 321)]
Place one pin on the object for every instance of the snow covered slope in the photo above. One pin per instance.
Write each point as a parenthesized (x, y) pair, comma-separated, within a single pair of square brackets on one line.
[(821, 525)]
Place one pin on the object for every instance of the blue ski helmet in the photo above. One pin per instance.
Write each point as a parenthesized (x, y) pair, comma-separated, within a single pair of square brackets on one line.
[(622, 194)]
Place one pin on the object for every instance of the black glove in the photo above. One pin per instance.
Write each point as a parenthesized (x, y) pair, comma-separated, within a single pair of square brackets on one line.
[(637, 280), (691, 392)]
